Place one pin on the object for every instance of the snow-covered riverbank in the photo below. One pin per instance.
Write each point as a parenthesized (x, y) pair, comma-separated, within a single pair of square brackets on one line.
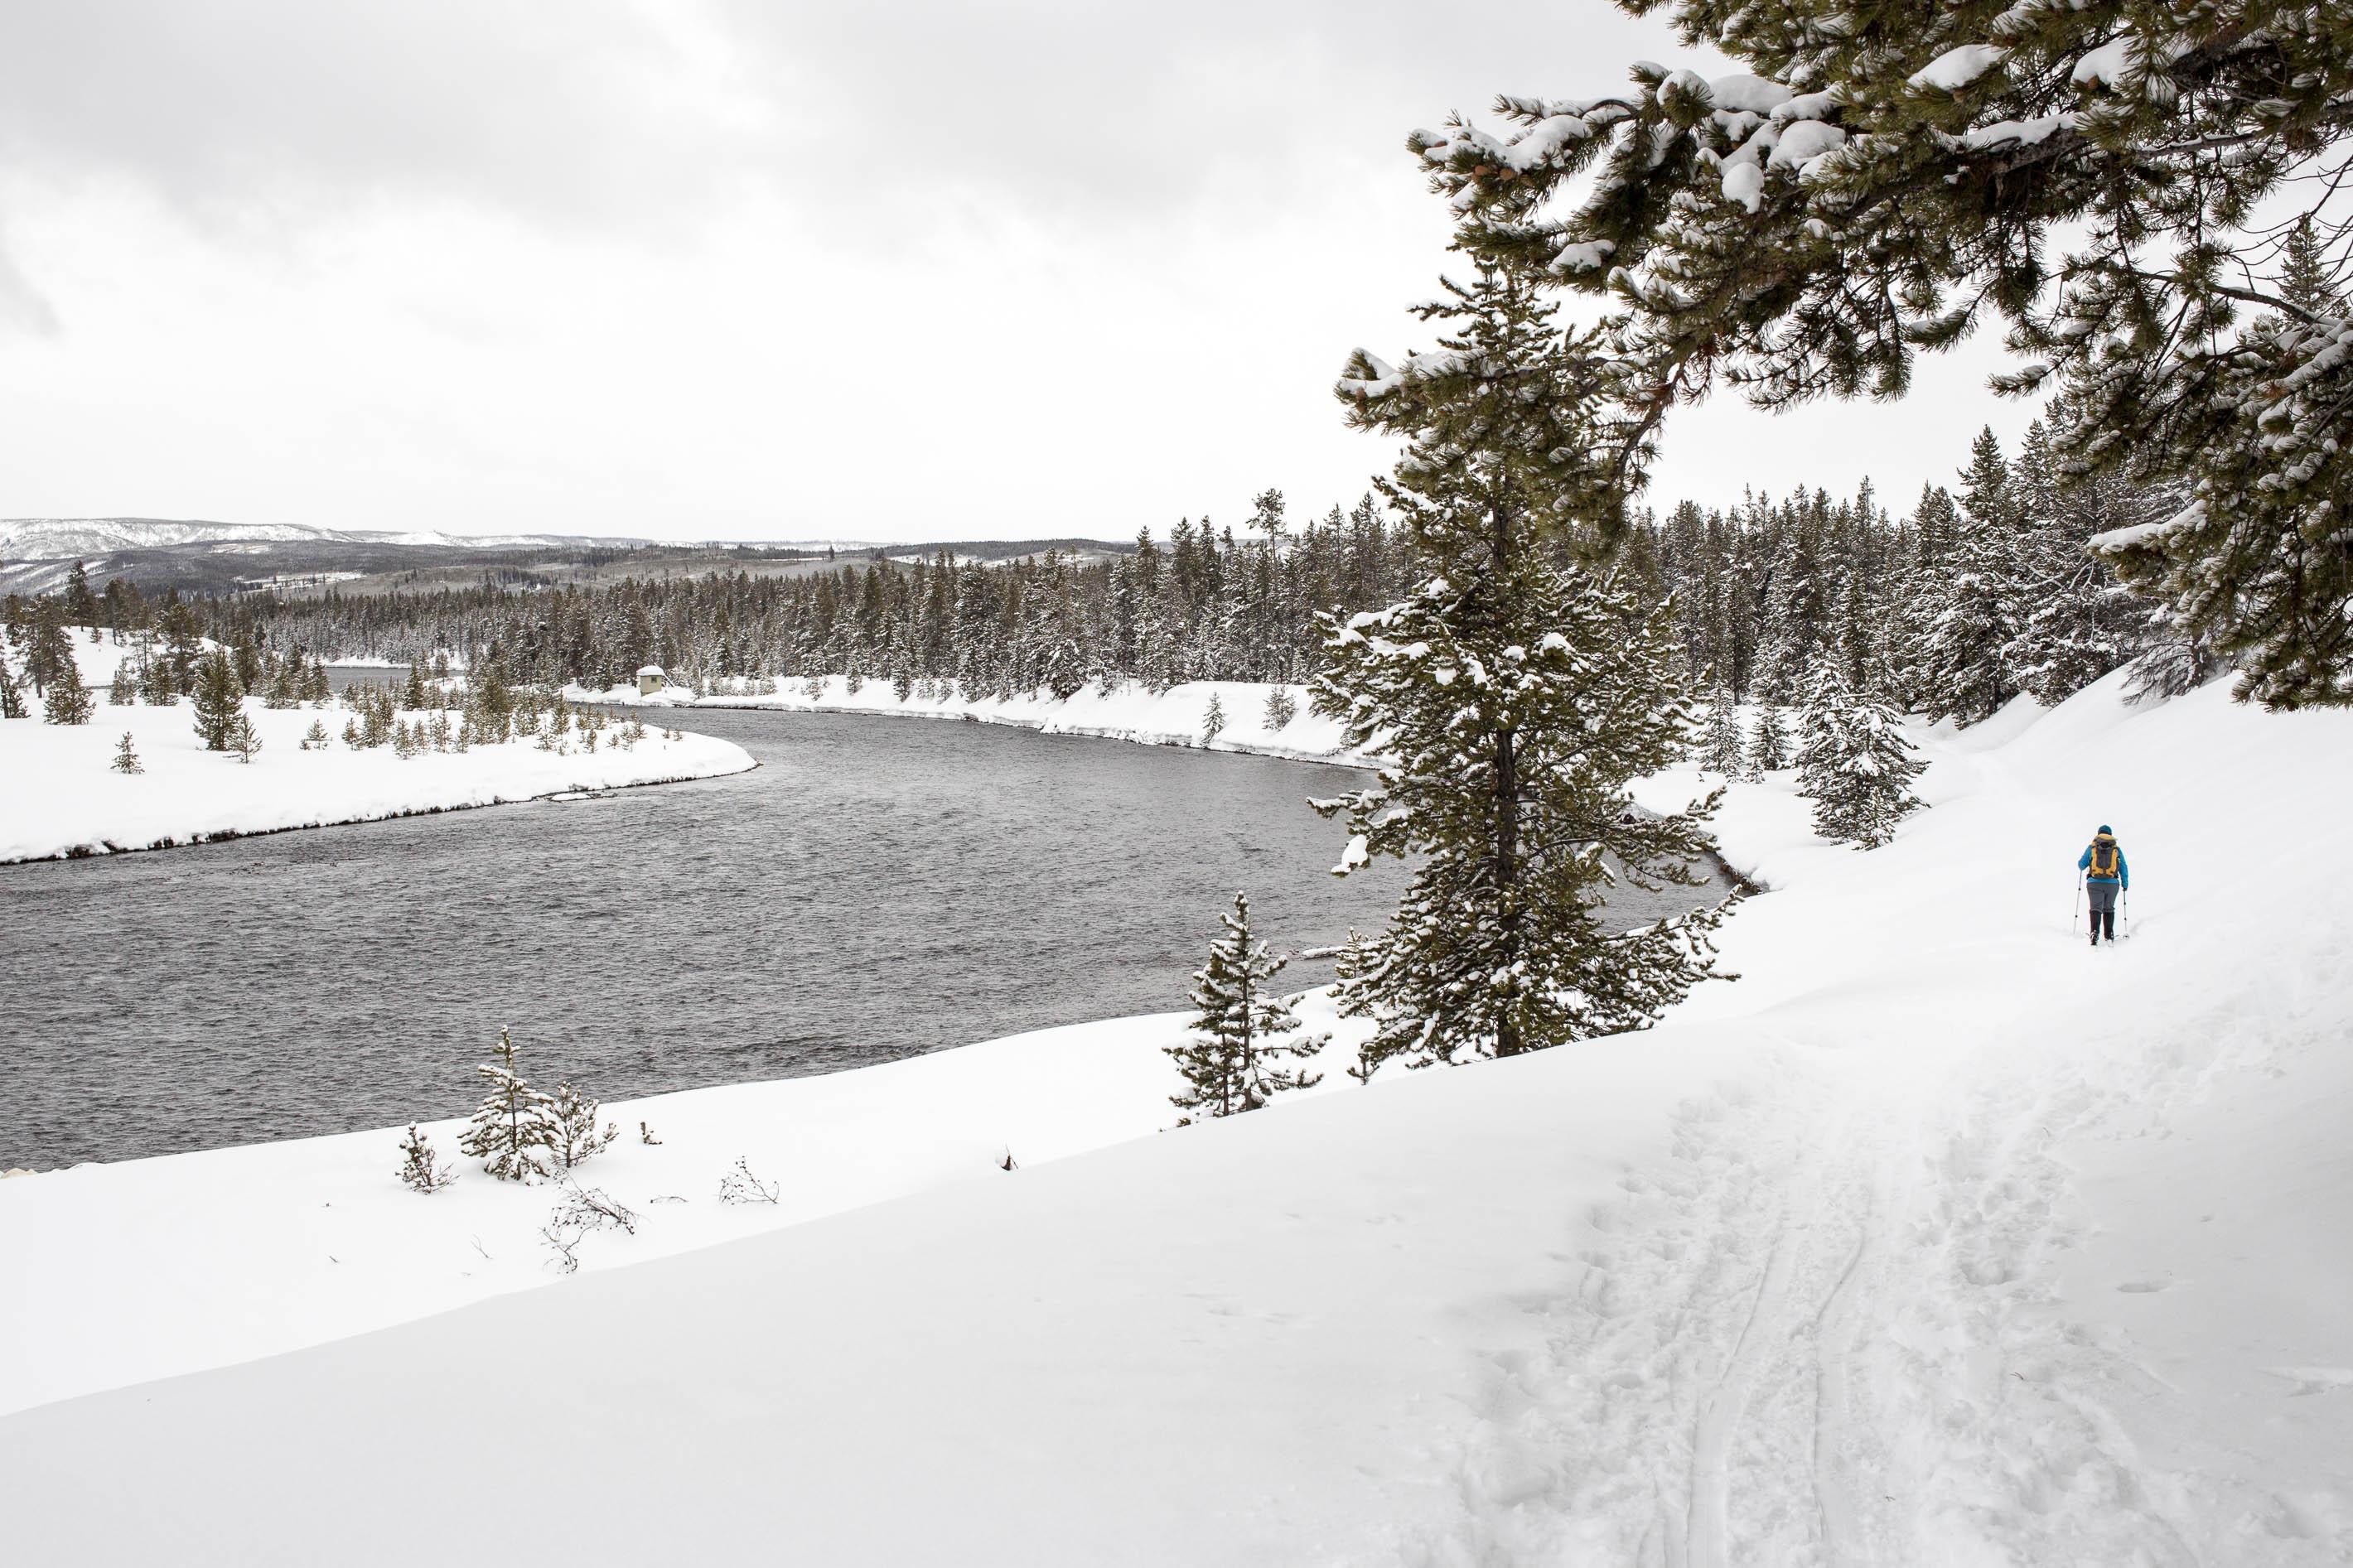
[(1180, 716), (64, 798), (1937, 1237)]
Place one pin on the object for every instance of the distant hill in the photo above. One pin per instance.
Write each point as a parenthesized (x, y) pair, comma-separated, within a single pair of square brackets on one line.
[(198, 556)]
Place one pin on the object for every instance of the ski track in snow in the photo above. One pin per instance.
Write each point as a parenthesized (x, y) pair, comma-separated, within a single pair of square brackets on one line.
[(1837, 1299)]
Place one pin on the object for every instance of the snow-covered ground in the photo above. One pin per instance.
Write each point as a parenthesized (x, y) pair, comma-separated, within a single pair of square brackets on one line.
[(62, 796), (1936, 1238), (1177, 717)]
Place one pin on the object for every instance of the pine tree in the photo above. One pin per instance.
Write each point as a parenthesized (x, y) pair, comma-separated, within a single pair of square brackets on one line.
[(420, 1169), (126, 759), (1967, 656), (1720, 745), (512, 1129), (244, 738), (1213, 721), (572, 1134), (1769, 745), (12, 701), (82, 605), (1855, 766), (68, 701), (219, 701), (1514, 695), (314, 739), (122, 691), (157, 688), (1243, 1033), (412, 694), (1282, 708)]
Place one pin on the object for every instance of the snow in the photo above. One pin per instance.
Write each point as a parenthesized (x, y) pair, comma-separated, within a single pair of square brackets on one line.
[(1804, 142), (1955, 69), (1937, 1237), (1743, 93), (2109, 64), (1170, 718), (62, 798)]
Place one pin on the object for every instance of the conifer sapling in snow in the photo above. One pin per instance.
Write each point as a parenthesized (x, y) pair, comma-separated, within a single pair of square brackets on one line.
[(123, 690), (244, 738), (1243, 1034), (1282, 708), (420, 1168), (512, 1130), (573, 1134), (126, 759), (1213, 721), (1856, 766)]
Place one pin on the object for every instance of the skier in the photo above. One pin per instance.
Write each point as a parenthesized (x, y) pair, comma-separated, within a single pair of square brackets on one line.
[(2105, 875)]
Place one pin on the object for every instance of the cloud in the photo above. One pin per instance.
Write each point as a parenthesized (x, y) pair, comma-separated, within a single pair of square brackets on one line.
[(721, 266)]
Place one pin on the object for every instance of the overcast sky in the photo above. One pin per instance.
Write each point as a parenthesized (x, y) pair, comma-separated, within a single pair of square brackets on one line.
[(722, 269)]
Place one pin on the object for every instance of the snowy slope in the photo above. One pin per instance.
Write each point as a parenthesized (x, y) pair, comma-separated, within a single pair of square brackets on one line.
[(1936, 1238)]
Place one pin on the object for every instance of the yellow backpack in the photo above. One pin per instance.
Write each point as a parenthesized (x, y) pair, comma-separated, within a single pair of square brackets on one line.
[(2103, 859)]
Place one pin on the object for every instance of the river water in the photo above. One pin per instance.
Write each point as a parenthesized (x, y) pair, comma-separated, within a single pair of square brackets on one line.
[(877, 889)]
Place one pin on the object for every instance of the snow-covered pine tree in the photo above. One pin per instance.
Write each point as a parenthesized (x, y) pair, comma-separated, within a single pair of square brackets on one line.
[(1213, 721), (1243, 1033), (1282, 708), (314, 739), (68, 701), (1514, 695), (511, 1131), (572, 1136), (1855, 766), (244, 738), (1722, 751), (219, 699), (421, 1169), (126, 757), (122, 691), (1769, 745), (1969, 673)]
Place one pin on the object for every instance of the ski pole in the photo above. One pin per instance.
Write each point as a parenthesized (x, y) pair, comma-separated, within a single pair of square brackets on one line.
[(2123, 916), (2075, 921)]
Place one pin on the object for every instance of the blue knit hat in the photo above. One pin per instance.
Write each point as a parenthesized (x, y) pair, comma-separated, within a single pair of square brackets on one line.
[(2105, 828)]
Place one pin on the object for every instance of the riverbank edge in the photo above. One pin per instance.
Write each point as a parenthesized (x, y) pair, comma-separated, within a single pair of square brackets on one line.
[(108, 846), (1041, 723)]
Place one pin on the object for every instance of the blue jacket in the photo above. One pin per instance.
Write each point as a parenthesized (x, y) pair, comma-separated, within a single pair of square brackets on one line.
[(2124, 872)]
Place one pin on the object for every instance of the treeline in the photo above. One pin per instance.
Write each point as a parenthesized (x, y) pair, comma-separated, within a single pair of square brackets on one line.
[(1953, 608), (1951, 611)]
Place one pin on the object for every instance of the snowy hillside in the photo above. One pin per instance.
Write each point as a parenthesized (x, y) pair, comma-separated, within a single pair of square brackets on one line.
[(58, 538), (1937, 1238)]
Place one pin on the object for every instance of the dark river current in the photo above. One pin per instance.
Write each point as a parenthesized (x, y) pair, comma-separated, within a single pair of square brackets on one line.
[(878, 888)]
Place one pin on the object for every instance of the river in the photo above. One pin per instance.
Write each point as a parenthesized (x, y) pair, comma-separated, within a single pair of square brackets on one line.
[(877, 889)]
